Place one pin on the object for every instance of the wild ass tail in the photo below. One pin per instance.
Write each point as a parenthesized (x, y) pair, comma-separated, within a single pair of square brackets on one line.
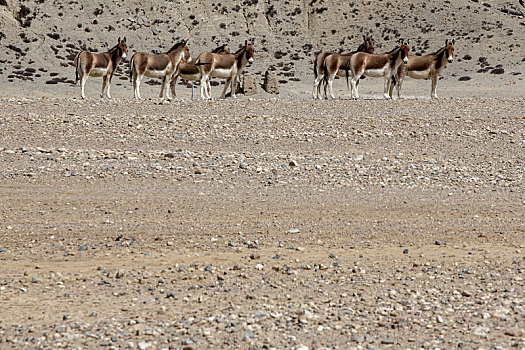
[(77, 66), (131, 61), (315, 67), (201, 63), (326, 74)]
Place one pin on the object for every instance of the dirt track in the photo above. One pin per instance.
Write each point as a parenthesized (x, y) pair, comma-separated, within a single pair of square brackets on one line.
[(262, 224)]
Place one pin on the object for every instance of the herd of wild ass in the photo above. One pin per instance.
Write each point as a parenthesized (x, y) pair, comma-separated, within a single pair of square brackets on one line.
[(392, 66)]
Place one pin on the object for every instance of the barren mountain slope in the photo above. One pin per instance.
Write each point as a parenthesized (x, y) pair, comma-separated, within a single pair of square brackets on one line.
[(39, 39)]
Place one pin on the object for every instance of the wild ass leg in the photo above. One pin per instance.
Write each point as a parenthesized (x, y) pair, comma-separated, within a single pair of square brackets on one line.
[(164, 87), (433, 93), (228, 83), (108, 91), (208, 88), (104, 84), (204, 95), (354, 83), (172, 86), (387, 82), (235, 80), (316, 92), (400, 79), (83, 84), (330, 84), (136, 86)]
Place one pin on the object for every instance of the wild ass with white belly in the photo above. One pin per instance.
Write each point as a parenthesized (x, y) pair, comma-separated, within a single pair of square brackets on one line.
[(422, 67), (338, 64), (157, 66), (227, 67), (190, 72), (377, 65), (319, 64), (88, 64)]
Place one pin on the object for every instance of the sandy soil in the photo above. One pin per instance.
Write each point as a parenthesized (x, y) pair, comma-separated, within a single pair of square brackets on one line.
[(262, 223)]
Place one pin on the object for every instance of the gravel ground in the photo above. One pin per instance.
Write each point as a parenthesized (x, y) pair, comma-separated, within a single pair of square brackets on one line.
[(266, 223)]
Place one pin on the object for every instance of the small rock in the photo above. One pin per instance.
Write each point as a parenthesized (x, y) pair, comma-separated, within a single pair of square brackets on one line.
[(270, 84), (466, 293), (82, 247), (120, 273), (438, 242), (405, 251), (249, 85), (255, 256)]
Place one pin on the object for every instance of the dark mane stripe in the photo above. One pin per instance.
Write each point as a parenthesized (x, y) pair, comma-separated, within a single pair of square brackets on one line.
[(238, 52), (393, 50), (113, 48), (219, 48), (439, 52), (175, 47), (439, 57)]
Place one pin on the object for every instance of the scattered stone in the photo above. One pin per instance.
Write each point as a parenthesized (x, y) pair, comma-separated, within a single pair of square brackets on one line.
[(270, 84), (249, 85)]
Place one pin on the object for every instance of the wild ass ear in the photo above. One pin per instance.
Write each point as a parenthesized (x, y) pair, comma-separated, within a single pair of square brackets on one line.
[(245, 42), (124, 40), (446, 42), (453, 42), (119, 39)]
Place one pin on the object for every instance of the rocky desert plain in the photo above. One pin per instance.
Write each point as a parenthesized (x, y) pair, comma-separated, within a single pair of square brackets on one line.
[(270, 221)]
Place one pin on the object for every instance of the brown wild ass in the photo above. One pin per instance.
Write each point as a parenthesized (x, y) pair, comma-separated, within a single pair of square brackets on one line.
[(103, 65), (190, 72), (338, 64), (319, 66), (377, 65), (227, 67), (157, 66), (421, 67)]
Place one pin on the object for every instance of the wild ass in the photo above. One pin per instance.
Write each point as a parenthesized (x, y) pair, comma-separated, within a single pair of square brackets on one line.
[(189, 71), (338, 64), (88, 64), (227, 67), (377, 65), (422, 67), (157, 66), (366, 46)]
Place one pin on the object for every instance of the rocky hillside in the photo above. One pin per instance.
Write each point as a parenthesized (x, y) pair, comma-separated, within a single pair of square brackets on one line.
[(39, 39)]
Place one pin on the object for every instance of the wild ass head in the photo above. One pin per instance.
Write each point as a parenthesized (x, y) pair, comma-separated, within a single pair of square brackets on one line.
[(122, 48), (403, 50), (449, 50), (182, 47), (367, 45), (247, 50)]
